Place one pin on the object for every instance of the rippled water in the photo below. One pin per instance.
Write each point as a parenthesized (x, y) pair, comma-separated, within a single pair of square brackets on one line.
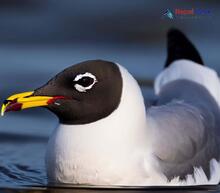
[(21, 160)]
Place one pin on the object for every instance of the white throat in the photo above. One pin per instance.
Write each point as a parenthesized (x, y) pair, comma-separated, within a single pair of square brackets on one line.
[(102, 152)]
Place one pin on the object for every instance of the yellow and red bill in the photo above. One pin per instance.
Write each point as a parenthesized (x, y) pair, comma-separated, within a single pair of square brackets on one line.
[(27, 100)]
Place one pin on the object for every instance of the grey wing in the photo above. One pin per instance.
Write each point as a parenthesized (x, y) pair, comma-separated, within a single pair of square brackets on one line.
[(185, 128)]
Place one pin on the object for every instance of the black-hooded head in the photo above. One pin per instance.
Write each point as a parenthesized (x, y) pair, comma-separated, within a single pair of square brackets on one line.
[(82, 93)]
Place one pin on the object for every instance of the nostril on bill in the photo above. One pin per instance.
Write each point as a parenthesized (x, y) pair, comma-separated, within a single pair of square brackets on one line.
[(9, 101), (6, 102)]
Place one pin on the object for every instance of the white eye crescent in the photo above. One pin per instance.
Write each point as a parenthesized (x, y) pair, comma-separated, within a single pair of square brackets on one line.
[(84, 82)]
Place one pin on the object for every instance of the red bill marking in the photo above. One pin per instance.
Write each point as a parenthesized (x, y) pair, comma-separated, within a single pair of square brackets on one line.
[(51, 101), (13, 106)]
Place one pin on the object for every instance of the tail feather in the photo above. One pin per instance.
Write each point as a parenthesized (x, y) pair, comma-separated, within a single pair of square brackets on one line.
[(180, 47)]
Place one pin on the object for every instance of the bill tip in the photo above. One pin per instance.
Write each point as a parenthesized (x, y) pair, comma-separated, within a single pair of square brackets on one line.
[(2, 110)]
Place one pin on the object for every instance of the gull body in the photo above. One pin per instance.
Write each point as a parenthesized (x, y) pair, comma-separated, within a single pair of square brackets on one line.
[(166, 144), (108, 136)]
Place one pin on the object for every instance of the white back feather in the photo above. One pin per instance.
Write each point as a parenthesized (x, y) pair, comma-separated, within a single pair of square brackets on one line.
[(189, 70)]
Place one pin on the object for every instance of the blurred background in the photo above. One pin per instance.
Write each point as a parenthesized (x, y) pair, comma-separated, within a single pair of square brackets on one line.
[(39, 38)]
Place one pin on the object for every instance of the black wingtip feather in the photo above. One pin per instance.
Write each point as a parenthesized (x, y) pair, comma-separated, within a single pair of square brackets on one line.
[(180, 47)]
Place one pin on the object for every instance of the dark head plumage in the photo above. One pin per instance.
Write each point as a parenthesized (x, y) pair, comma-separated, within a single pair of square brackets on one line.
[(92, 89), (83, 93)]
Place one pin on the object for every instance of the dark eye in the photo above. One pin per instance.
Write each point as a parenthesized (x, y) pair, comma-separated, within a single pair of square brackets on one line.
[(85, 81)]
